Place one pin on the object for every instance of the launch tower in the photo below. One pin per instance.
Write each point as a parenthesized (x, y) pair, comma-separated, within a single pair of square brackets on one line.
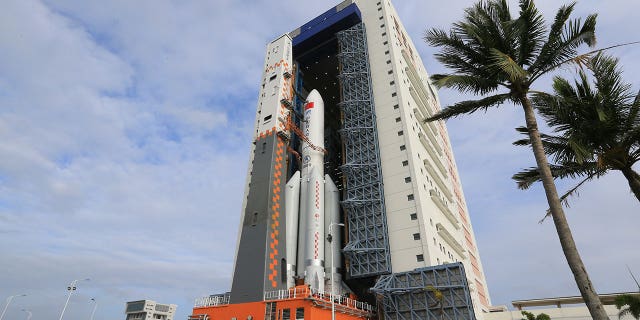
[(353, 203)]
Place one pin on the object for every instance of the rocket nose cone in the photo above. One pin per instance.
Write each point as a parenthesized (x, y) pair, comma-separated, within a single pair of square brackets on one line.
[(314, 95)]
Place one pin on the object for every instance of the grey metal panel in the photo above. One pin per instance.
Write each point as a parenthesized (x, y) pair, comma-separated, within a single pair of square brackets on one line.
[(264, 221), (410, 295), (368, 246)]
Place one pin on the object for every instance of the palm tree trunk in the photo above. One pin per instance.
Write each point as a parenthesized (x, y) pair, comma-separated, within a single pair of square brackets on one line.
[(634, 180), (591, 299)]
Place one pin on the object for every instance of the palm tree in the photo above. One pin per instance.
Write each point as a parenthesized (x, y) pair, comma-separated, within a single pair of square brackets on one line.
[(598, 129), (489, 50), (628, 304)]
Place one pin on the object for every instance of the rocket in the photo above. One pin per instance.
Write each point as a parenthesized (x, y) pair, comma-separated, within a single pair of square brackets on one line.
[(311, 206)]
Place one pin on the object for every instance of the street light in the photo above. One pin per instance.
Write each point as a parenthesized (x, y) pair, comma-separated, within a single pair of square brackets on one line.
[(71, 288), (333, 287), (95, 306), (8, 302), (29, 314)]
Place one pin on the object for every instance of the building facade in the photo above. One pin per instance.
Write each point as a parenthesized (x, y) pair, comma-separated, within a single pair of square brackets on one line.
[(398, 196), (427, 215), (149, 310)]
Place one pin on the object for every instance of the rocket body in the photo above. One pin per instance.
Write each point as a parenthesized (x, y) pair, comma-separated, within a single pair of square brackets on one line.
[(313, 197), (312, 205)]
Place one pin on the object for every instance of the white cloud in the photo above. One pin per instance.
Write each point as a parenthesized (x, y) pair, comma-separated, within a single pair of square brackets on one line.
[(125, 132)]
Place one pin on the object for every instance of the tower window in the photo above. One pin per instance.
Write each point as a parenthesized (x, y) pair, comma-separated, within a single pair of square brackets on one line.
[(398, 119), (410, 197), (419, 257), (416, 236), (407, 179), (396, 106), (414, 216), (380, 18), (254, 219), (390, 72), (386, 52), (388, 61), (405, 163), (394, 94), (392, 83), (382, 25), (403, 148), (400, 133), (385, 43)]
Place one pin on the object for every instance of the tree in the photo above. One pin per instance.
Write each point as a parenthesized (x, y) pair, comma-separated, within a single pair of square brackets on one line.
[(597, 128), (628, 304), (530, 316), (489, 50)]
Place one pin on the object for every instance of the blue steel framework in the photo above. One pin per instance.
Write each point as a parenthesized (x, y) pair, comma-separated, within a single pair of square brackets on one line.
[(412, 295), (363, 201)]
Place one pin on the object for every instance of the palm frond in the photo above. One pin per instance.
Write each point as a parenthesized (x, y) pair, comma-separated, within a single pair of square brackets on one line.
[(580, 60), (531, 29), (555, 146), (573, 192), (468, 107), (507, 65), (562, 48), (612, 90), (528, 177), (633, 117), (465, 83), (469, 60), (628, 305)]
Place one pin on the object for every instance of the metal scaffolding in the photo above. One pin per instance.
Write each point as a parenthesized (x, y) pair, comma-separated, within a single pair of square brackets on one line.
[(368, 246), (432, 293)]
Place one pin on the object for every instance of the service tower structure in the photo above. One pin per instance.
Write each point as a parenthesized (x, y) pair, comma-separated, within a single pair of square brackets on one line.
[(353, 204)]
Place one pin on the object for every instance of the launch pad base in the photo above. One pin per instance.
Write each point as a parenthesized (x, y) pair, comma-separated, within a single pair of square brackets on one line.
[(293, 304)]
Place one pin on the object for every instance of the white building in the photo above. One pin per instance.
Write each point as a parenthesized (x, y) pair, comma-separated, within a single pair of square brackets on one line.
[(427, 215), (570, 308), (148, 310)]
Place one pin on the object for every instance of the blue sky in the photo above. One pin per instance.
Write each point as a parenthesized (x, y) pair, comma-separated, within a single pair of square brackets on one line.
[(125, 130)]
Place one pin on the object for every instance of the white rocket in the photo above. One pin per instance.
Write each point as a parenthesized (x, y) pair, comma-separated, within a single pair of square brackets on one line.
[(311, 207)]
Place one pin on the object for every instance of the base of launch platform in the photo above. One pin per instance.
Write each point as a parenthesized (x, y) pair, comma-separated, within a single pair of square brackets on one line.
[(296, 303)]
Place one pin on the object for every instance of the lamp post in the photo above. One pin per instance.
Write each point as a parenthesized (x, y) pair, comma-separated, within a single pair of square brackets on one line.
[(95, 306), (29, 314), (333, 287), (71, 288), (8, 302)]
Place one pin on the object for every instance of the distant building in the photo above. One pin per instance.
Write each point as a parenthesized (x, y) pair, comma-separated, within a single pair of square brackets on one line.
[(148, 309), (570, 308)]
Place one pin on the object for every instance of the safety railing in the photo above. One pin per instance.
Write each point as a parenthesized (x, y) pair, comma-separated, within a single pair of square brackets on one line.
[(213, 300), (306, 292)]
